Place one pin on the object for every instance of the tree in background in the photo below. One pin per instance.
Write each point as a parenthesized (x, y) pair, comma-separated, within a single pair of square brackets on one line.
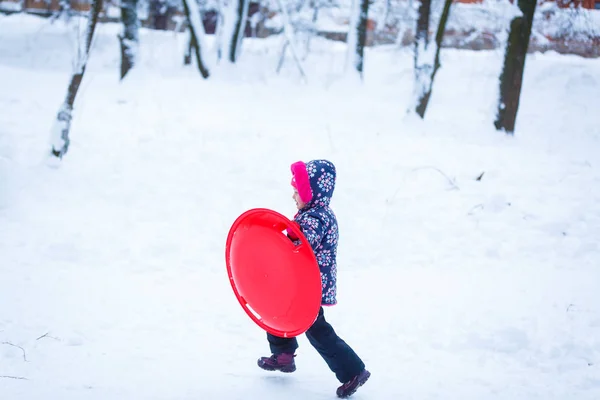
[(234, 27), (218, 44), (62, 125), (426, 56), (511, 78), (211, 12), (422, 67), (290, 40), (425, 94), (357, 34), (129, 37), (192, 12)]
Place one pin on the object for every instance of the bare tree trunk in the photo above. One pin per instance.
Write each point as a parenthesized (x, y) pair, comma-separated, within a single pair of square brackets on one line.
[(511, 78), (423, 100), (187, 57), (237, 28), (422, 33), (197, 34), (422, 65), (129, 38), (362, 36), (62, 125), (357, 34)]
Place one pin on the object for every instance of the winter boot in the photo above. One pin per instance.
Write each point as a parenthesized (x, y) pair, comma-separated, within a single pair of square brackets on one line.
[(348, 388), (278, 362)]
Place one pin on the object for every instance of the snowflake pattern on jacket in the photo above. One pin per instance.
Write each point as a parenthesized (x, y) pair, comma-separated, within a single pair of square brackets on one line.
[(319, 225)]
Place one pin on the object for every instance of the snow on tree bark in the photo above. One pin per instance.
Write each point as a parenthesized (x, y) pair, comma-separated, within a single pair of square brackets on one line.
[(192, 11), (511, 77), (234, 26), (60, 130), (218, 44), (423, 60), (425, 95), (357, 34), (129, 37), (361, 29)]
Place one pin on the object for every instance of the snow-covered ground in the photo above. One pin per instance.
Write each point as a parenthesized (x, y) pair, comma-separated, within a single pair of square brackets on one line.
[(112, 276)]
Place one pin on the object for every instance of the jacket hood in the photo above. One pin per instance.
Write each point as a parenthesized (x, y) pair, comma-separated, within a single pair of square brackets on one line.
[(322, 176)]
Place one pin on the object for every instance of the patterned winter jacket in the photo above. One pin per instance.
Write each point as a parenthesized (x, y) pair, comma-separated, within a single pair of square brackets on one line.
[(319, 225)]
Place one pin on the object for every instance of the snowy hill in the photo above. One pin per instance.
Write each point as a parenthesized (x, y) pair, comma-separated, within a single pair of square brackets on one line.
[(113, 282)]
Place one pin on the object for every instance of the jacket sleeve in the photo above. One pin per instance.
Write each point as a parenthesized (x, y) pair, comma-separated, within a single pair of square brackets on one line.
[(313, 227)]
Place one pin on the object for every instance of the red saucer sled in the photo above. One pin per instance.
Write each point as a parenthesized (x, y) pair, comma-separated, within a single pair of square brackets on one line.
[(277, 282)]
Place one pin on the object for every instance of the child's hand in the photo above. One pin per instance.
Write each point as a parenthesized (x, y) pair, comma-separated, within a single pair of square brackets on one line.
[(291, 234)]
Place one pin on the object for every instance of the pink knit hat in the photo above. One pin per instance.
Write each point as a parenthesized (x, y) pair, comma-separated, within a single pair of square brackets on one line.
[(301, 181)]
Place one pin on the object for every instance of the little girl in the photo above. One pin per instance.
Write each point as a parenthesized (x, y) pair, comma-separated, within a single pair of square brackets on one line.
[(313, 184)]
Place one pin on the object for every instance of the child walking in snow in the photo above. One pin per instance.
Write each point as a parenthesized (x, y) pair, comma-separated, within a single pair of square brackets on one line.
[(313, 185)]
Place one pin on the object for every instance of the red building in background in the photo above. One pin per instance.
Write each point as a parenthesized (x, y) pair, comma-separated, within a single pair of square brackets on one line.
[(48, 6), (589, 4)]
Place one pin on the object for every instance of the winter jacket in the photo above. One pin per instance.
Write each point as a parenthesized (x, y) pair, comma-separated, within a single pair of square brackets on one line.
[(319, 225)]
